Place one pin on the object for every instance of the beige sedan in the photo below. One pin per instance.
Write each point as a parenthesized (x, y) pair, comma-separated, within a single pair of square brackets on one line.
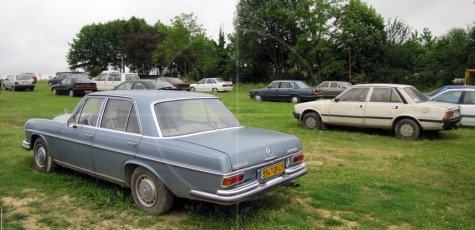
[(401, 108)]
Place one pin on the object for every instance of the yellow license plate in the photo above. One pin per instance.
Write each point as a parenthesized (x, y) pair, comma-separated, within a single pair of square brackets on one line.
[(88, 91), (25, 82), (271, 171)]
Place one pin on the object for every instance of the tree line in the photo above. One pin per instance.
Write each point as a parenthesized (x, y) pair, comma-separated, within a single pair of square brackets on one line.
[(311, 40)]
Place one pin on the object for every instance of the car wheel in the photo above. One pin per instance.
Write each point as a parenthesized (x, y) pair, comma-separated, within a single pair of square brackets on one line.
[(71, 93), (214, 90), (149, 193), (32, 88), (43, 160), (407, 129), (192, 89), (257, 97), (312, 121), (295, 99)]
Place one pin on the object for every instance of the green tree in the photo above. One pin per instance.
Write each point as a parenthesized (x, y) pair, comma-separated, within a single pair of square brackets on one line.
[(139, 49)]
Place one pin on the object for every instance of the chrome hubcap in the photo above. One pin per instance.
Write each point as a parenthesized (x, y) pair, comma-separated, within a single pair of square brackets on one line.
[(147, 191), (41, 157), (311, 122), (295, 100), (407, 130)]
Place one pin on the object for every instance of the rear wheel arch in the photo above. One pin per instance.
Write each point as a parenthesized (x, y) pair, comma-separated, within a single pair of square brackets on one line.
[(396, 120), (407, 128), (129, 168)]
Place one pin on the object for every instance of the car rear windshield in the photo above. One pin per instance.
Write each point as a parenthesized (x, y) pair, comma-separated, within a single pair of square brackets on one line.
[(415, 95), (131, 76), (301, 84), (23, 77), (184, 117)]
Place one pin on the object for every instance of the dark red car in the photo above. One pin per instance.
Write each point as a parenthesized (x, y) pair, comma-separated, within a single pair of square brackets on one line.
[(176, 82)]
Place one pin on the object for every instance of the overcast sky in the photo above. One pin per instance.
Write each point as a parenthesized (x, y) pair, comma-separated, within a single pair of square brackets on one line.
[(34, 34)]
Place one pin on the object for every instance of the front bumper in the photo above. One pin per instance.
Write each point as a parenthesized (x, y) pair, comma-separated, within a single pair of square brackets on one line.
[(248, 191), (296, 115), (26, 145), (452, 124)]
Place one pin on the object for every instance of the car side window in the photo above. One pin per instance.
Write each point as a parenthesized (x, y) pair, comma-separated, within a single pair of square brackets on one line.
[(324, 85), (120, 115), (125, 86), (334, 85), (450, 97), (202, 81), (209, 81), (285, 85), (140, 85), (355, 94), (469, 98), (384, 95), (90, 112), (274, 84), (102, 77)]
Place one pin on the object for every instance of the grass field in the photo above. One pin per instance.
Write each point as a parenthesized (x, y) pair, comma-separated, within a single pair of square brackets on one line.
[(357, 179)]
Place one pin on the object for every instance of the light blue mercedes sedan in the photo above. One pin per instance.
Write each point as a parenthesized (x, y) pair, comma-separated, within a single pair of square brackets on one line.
[(164, 144)]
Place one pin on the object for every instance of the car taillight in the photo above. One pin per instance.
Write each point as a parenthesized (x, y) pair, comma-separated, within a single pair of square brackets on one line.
[(227, 85), (233, 179), (17, 83), (449, 115), (297, 158)]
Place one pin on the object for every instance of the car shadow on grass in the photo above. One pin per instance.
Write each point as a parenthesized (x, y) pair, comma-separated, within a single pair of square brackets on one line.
[(428, 135)]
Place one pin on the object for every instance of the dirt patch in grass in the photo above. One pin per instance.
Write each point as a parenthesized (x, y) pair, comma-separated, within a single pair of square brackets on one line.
[(36, 210)]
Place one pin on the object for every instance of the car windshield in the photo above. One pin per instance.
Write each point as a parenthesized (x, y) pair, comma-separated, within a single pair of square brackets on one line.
[(175, 80), (23, 77), (301, 84), (415, 95), (434, 92), (83, 80), (192, 116)]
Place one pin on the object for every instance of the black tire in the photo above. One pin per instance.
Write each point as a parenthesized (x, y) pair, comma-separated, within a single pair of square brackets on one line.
[(192, 89), (312, 121), (214, 90), (257, 97), (294, 99), (407, 129), (71, 93), (43, 160), (32, 88), (150, 194)]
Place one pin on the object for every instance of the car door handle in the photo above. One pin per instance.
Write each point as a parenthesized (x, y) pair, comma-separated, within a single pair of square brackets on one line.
[(131, 144), (359, 106), (89, 135), (395, 107)]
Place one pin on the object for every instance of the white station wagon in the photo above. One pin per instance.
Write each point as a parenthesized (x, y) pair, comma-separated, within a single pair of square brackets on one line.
[(401, 108)]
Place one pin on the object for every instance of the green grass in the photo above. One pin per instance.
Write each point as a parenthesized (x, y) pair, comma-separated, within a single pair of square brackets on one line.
[(357, 179)]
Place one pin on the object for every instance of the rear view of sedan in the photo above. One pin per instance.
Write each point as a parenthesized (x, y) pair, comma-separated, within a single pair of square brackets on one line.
[(74, 86)]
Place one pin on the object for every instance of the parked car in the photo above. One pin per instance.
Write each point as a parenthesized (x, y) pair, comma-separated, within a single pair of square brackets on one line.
[(108, 80), (447, 87), (212, 84), (176, 82), (62, 75), (145, 84), (35, 78), (331, 89), (401, 108), (74, 86), (164, 144), (19, 81), (285, 90), (465, 97)]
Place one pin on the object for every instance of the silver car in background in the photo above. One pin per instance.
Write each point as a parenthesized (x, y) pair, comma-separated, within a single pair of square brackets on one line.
[(19, 81)]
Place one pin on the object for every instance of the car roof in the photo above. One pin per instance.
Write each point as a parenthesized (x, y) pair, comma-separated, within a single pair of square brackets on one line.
[(383, 85), (460, 89), (149, 96)]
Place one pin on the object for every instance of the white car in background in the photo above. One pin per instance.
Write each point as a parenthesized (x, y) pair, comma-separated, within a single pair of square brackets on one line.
[(108, 80), (465, 97), (213, 85), (401, 108)]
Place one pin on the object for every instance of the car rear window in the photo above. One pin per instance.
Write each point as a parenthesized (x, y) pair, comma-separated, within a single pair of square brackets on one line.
[(415, 95), (184, 117)]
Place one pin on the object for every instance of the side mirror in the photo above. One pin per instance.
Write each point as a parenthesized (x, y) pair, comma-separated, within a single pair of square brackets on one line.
[(336, 100), (71, 123)]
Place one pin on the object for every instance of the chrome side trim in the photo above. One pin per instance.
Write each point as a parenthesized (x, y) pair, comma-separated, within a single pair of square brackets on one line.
[(237, 195), (91, 173)]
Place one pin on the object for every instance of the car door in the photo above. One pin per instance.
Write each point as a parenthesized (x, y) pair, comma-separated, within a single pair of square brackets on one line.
[(271, 92), (467, 108), (334, 89), (382, 107), (7, 83), (201, 85), (349, 108), (76, 140), (118, 137), (101, 82), (284, 91)]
